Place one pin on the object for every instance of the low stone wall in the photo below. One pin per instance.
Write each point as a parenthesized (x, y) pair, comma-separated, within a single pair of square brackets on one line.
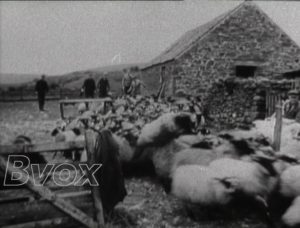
[(234, 102)]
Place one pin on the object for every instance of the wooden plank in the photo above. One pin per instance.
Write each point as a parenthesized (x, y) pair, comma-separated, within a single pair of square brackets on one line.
[(46, 193), (28, 211), (57, 222), (15, 195), (90, 137), (278, 127), (38, 148), (74, 101)]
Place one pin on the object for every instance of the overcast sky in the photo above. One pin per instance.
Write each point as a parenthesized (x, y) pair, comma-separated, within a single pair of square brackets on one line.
[(56, 37)]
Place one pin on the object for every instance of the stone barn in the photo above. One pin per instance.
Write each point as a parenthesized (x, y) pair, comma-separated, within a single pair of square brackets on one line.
[(238, 63), (242, 43)]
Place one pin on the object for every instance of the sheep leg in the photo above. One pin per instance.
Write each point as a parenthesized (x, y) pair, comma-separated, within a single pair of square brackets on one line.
[(264, 207)]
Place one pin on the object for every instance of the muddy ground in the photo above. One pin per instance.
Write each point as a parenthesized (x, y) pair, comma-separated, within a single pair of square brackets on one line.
[(146, 205)]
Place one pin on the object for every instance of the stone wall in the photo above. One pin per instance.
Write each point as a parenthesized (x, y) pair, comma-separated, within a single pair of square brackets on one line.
[(246, 35), (237, 102)]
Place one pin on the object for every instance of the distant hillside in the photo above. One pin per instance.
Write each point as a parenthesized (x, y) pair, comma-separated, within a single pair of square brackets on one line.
[(74, 80), (16, 78), (114, 68)]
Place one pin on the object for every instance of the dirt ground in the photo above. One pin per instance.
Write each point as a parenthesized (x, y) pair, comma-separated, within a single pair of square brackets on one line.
[(146, 205)]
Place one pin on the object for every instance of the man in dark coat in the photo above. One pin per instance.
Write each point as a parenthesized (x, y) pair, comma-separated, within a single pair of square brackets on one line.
[(291, 108), (103, 86), (41, 88), (110, 176), (89, 87)]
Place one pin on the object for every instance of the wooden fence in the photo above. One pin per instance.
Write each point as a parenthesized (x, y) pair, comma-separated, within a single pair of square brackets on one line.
[(49, 205), (30, 95), (272, 98)]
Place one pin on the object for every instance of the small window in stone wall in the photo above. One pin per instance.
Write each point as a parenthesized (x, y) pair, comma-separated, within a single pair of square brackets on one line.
[(245, 71)]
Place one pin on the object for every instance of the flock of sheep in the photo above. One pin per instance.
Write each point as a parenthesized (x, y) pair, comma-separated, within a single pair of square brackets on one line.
[(212, 172), (217, 171)]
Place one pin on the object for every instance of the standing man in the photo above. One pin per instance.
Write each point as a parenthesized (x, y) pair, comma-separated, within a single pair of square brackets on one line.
[(89, 87), (103, 86), (291, 108), (137, 85), (41, 89), (126, 82)]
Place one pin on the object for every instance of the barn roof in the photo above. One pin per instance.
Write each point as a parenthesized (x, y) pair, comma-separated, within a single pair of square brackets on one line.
[(185, 42)]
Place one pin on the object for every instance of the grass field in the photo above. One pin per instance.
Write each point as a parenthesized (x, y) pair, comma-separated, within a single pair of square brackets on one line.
[(146, 205)]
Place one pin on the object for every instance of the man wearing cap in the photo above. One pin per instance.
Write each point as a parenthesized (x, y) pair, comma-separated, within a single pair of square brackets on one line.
[(291, 108), (127, 82)]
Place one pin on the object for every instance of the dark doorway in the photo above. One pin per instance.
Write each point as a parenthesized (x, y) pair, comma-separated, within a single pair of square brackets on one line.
[(245, 71)]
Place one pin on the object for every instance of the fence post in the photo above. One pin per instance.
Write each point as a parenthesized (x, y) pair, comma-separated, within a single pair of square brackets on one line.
[(21, 91), (90, 139), (60, 93), (278, 126)]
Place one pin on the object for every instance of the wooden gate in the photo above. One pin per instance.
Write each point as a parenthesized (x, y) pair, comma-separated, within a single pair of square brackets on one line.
[(272, 98), (49, 205)]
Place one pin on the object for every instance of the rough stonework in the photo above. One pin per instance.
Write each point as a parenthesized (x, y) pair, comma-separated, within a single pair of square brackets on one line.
[(244, 36), (236, 102)]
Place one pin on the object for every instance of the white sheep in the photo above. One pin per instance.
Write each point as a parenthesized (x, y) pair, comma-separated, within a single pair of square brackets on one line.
[(253, 178), (65, 136), (199, 184), (164, 129), (290, 181), (193, 156), (293, 148), (199, 156), (70, 136), (291, 217), (162, 157), (81, 108), (125, 150), (290, 129)]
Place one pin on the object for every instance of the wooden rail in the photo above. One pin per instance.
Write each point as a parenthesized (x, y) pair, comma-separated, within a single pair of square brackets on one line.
[(48, 205), (38, 148), (30, 95), (65, 102)]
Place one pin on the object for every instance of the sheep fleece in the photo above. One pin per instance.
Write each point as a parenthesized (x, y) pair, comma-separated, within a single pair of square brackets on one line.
[(196, 184)]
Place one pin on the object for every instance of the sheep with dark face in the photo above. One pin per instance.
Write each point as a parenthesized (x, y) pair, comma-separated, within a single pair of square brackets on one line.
[(70, 136), (164, 129)]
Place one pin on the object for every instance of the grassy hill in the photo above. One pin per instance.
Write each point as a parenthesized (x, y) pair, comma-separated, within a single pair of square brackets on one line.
[(71, 81), (10, 79)]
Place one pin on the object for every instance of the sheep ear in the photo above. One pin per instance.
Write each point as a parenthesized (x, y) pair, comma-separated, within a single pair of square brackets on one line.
[(287, 158), (76, 131), (243, 146), (226, 136), (54, 132), (230, 184)]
